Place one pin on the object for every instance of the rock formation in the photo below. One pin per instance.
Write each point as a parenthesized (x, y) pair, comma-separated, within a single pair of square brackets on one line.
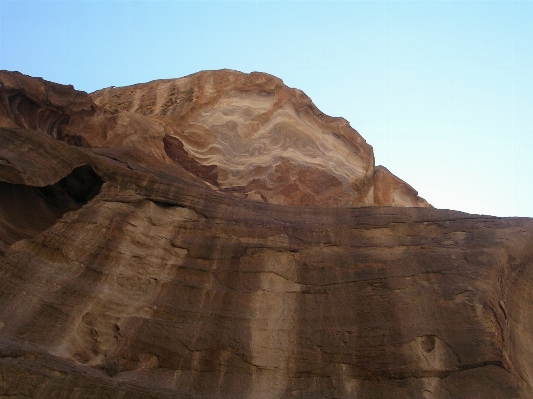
[(248, 135), (134, 264)]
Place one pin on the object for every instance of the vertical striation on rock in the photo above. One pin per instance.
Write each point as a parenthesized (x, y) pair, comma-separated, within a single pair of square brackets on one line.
[(132, 266)]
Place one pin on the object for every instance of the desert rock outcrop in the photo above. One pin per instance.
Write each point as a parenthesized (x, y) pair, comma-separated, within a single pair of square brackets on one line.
[(126, 274), (245, 134)]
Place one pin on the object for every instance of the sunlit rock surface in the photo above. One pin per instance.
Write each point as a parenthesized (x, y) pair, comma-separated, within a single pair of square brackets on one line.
[(244, 134), (390, 190), (124, 274), (251, 134)]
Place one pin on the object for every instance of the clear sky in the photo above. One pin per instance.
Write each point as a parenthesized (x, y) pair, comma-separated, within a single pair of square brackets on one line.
[(443, 90)]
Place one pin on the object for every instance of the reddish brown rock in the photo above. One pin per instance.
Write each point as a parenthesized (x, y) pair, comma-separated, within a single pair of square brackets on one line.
[(251, 134), (390, 190), (122, 275), (247, 135), (36, 104)]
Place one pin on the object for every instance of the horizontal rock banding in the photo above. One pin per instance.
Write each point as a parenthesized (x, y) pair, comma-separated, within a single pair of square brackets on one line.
[(135, 265)]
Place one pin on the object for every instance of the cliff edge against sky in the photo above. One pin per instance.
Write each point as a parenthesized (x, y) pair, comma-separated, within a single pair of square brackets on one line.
[(150, 248)]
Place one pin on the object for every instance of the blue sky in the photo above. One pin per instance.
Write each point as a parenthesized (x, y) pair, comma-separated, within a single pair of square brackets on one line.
[(443, 90)]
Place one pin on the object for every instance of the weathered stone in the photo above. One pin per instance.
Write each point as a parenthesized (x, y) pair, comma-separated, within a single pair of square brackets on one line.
[(389, 190), (248, 135), (123, 275)]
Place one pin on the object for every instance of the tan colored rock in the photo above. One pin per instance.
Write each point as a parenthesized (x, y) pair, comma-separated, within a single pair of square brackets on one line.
[(248, 135), (390, 190), (36, 104), (251, 135), (128, 270), (160, 287)]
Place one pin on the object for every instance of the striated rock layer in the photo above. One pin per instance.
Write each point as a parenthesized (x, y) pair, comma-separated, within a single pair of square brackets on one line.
[(124, 275), (244, 134)]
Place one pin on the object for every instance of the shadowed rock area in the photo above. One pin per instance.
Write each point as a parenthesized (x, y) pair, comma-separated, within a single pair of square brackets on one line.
[(136, 265), (27, 211)]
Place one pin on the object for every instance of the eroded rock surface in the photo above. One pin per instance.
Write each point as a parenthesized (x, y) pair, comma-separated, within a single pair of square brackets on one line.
[(248, 135), (125, 275)]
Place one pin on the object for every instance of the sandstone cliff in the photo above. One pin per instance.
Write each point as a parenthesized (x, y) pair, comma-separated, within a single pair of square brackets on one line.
[(244, 134), (129, 271)]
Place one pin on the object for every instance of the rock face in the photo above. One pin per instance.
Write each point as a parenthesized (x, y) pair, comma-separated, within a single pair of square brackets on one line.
[(244, 134), (125, 274)]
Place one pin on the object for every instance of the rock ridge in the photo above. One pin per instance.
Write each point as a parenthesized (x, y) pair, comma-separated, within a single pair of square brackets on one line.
[(125, 274), (248, 135)]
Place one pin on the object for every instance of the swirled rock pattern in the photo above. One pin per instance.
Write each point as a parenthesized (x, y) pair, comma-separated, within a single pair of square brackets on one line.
[(124, 274), (244, 134), (254, 135)]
